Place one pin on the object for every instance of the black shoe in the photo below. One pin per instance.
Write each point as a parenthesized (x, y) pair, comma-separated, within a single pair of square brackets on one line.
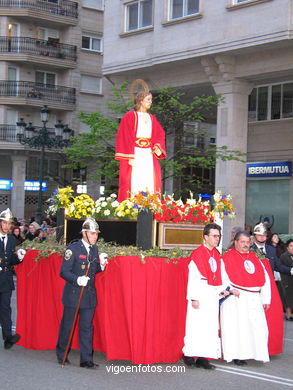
[(289, 318), (189, 361), (239, 362), (204, 363), (10, 341), (88, 365), (60, 360)]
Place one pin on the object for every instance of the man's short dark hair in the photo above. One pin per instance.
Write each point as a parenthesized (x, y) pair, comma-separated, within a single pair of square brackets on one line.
[(209, 227), (241, 233), (289, 242)]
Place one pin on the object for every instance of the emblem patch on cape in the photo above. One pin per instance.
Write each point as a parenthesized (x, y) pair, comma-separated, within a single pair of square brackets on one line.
[(213, 264), (249, 266), (67, 254)]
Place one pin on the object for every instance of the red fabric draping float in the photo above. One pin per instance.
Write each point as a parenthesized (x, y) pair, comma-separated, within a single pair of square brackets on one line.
[(140, 314)]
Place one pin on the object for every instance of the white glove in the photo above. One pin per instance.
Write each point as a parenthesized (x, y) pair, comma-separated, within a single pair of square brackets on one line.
[(82, 280), (103, 259), (291, 271), (20, 254)]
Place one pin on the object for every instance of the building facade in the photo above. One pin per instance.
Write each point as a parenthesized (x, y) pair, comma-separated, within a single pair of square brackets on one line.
[(240, 49), (50, 54)]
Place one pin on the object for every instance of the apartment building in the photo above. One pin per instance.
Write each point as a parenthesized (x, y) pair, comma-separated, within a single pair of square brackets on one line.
[(241, 49), (50, 54)]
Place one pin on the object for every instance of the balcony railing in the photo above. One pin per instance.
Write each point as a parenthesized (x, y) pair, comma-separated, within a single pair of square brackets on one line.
[(55, 7), (37, 91), (39, 47), (8, 133)]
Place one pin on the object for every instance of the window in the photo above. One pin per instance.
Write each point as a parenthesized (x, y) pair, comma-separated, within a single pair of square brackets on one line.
[(271, 102), (45, 33), (97, 4), (45, 78), (139, 14), (181, 8), (91, 42), (91, 84)]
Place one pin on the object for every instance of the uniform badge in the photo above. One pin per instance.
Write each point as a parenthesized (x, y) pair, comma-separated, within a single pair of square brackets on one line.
[(83, 266), (67, 254), (249, 266), (82, 256)]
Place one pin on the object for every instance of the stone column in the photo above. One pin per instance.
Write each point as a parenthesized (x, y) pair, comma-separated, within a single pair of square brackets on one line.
[(17, 192), (232, 126)]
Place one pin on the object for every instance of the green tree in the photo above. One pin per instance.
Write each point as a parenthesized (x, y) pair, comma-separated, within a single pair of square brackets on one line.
[(173, 112)]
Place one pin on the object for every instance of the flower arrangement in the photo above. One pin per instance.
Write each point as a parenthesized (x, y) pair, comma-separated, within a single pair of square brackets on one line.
[(164, 210), (81, 207), (150, 201), (126, 210), (61, 198), (176, 211), (223, 205), (105, 207)]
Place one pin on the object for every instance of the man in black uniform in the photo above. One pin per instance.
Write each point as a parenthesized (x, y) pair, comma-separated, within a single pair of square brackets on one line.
[(77, 258), (8, 258)]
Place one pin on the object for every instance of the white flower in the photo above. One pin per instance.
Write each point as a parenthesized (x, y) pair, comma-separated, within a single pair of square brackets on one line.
[(218, 196), (119, 214), (104, 204), (113, 196), (179, 203), (107, 212), (108, 199), (191, 202), (98, 209), (102, 199), (115, 204)]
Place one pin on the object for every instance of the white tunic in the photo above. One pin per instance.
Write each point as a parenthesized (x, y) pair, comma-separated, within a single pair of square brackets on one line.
[(244, 327), (202, 324), (142, 177)]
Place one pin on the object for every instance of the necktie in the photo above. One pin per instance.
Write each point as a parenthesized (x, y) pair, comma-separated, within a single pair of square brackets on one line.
[(3, 241)]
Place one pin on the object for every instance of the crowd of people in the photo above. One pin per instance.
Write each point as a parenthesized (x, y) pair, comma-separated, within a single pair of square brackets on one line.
[(23, 230)]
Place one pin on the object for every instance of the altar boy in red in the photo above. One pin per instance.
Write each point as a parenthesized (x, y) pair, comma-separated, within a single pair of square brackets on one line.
[(206, 284)]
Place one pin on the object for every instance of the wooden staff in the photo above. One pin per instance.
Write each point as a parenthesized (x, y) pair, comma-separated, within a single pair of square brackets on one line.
[(74, 320)]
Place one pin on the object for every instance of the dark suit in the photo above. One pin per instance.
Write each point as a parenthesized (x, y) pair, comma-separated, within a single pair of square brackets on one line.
[(8, 258), (72, 267), (275, 262)]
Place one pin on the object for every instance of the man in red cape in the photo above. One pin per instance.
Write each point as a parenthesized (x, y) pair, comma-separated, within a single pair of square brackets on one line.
[(206, 284), (244, 327)]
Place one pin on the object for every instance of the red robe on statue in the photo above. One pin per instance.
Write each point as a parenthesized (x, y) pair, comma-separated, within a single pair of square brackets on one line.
[(125, 144)]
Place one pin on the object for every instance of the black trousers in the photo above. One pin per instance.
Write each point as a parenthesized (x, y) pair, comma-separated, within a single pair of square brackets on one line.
[(85, 336), (5, 313)]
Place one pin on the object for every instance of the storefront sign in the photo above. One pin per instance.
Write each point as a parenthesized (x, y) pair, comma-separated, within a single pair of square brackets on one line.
[(271, 169), (33, 185), (29, 185), (5, 184)]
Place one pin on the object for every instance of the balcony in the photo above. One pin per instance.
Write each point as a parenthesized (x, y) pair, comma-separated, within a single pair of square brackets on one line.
[(58, 11), (8, 133), (36, 94), (38, 51)]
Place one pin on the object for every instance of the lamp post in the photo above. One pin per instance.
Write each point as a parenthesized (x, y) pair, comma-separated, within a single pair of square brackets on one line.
[(42, 139)]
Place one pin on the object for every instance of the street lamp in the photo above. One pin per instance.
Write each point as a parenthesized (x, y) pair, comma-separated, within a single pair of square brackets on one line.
[(42, 139)]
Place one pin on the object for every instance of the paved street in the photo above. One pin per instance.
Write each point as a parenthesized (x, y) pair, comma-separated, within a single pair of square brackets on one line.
[(26, 369)]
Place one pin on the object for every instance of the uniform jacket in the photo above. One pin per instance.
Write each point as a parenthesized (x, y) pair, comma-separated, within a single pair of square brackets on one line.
[(275, 262), (8, 258), (74, 264)]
